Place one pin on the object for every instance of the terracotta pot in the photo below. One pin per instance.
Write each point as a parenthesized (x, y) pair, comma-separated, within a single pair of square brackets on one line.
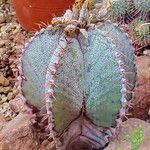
[(32, 13)]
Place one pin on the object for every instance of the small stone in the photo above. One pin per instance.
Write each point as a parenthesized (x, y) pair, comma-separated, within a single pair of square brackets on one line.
[(17, 104), (19, 134), (5, 56), (15, 92), (2, 17), (3, 80), (6, 28), (1, 89), (15, 31), (2, 51), (3, 95), (10, 96), (5, 105), (149, 113), (2, 121), (2, 110), (2, 43), (4, 99), (18, 47), (8, 118), (146, 52), (19, 38), (98, 5), (4, 35), (5, 90)]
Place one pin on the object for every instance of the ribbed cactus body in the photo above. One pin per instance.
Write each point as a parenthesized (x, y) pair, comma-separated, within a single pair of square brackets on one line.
[(84, 79), (80, 73), (68, 92), (35, 60), (101, 69), (80, 81)]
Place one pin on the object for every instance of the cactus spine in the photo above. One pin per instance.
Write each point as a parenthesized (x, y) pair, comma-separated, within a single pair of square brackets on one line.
[(143, 6)]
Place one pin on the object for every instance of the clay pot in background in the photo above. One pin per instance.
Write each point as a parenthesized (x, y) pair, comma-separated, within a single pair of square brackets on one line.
[(31, 13)]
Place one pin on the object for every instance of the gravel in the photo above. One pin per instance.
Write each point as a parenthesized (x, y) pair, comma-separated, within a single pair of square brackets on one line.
[(12, 40)]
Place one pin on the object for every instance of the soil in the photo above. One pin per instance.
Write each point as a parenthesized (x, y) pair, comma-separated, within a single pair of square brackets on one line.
[(12, 40)]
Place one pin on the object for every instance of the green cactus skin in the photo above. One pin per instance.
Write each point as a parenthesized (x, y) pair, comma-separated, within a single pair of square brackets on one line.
[(80, 80), (118, 35), (140, 32), (40, 49), (83, 76), (143, 6), (119, 9)]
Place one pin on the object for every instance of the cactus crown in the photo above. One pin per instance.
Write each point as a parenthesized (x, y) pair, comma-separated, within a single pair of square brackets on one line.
[(140, 32), (118, 9), (82, 76)]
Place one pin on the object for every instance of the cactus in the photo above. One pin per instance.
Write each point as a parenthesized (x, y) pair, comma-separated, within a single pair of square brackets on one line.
[(82, 78), (143, 6), (140, 32), (127, 10), (118, 9)]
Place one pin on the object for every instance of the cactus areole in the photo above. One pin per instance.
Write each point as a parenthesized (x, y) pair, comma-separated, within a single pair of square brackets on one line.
[(83, 75)]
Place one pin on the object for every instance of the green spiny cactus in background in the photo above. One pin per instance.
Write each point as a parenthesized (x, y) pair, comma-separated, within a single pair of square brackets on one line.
[(118, 9), (126, 13), (140, 32), (82, 75), (121, 9), (143, 6)]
